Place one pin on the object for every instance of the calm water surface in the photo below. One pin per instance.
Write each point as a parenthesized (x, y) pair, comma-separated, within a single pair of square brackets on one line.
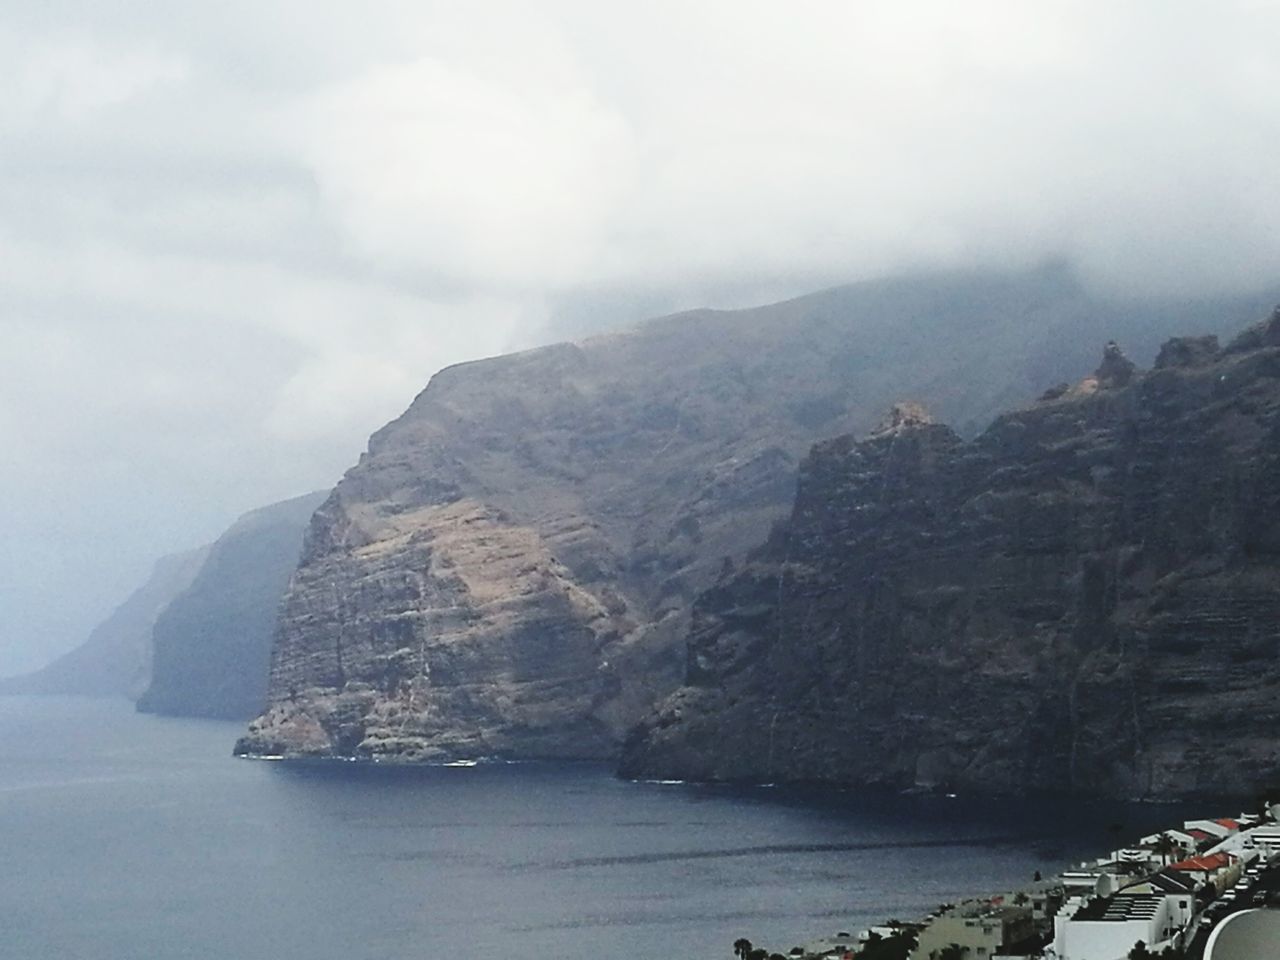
[(123, 836)]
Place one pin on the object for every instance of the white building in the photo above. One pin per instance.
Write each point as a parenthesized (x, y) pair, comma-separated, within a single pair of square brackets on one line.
[(1108, 928), (1100, 880), (1179, 837), (1264, 838), (1220, 828)]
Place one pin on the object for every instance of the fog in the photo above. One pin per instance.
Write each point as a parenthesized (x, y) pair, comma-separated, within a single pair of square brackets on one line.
[(239, 237)]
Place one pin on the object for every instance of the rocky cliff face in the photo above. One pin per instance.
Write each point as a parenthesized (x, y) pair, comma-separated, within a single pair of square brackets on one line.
[(115, 659), (1085, 597), (508, 570), (212, 643)]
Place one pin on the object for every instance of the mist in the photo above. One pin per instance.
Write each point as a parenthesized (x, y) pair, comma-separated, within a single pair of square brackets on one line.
[(240, 238)]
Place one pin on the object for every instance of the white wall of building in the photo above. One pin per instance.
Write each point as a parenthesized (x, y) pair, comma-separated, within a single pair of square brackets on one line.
[(1113, 939), (1099, 939)]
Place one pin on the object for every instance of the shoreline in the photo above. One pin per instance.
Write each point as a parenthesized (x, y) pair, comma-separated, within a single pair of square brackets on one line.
[(1171, 891)]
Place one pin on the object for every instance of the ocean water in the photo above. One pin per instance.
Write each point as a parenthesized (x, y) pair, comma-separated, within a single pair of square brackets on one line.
[(125, 836)]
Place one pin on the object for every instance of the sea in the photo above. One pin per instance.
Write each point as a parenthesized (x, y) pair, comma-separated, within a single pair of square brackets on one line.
[(126, 836)]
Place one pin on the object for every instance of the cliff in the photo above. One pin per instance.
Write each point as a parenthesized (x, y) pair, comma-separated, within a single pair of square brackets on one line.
[(212, 643), (1086, 597), (508, 570), (115, 659)]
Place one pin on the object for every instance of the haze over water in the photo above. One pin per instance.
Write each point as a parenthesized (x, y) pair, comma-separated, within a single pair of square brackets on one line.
[(127, 836)]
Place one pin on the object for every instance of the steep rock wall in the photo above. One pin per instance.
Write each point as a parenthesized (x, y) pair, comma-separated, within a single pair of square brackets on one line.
[(509, 568), (212, 644), (1085, 597), (115, 659)]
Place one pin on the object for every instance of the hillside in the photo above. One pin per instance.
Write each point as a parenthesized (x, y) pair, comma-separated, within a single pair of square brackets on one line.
[(212, 643), (115, 659), (1086, 597), (508, 570)]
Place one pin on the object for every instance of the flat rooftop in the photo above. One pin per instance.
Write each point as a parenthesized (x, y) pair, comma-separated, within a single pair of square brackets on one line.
[(1122, 907)]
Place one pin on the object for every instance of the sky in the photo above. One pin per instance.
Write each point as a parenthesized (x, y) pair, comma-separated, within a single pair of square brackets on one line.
[(239, 237)]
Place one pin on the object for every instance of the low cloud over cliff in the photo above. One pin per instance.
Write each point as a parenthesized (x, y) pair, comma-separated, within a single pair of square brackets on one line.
[(239, 238)]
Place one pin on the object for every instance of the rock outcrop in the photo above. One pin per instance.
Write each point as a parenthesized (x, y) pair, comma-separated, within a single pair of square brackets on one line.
[(212, 643), (1086, 597), (115, 659), (509, 568)]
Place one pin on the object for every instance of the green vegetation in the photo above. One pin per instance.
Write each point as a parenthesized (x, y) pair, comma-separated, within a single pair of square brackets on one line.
[(895, 947), (1140, 951), (1166, 846)]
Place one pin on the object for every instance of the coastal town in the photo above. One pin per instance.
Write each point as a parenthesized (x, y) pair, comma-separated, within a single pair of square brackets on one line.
[(1204, 890)]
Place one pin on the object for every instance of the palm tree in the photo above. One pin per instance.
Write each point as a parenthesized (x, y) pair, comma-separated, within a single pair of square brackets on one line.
[(1165, 845), (741, 947)]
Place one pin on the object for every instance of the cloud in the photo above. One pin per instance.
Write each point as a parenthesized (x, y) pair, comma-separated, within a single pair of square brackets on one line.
[(71, 78), (707, 142), (489, 178), (240, 238)]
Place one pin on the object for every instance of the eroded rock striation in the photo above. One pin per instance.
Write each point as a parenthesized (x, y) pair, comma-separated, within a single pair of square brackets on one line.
[(1085, 597), (508, 570), (211, 645)]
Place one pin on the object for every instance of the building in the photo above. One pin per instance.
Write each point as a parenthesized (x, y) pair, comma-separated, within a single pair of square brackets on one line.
[(1169, 881), (1264, 838), (981, 929), (1204, 839), (1101, 879), (1141, 856), (1046, 900), (1106, 928), (1180, 838), (1220, 828), (1219, 870)]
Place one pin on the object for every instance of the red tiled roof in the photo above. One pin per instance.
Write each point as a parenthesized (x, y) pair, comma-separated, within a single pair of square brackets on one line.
[(1201, 835), (1207, 864)]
